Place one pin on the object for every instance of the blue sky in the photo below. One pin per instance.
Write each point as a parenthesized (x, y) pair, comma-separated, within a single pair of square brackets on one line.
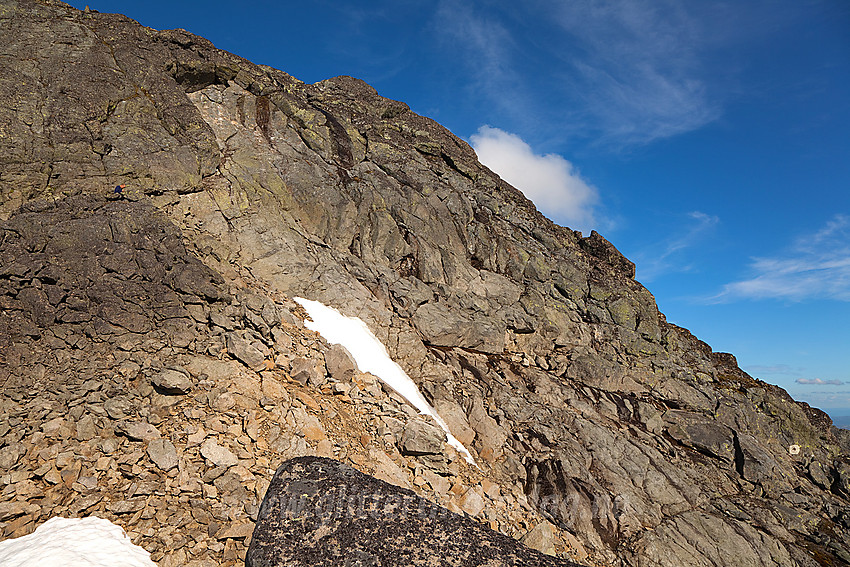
[(709, 141)]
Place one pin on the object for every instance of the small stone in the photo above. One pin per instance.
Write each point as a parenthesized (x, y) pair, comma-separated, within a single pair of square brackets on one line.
[(308, 400), (86, 428), (471, 502), (210, 492), (163, 453), (273, 389), (214, 473), (490, 437), (270, 314), (82, 504), (53, 477), (42, 470), (126, 506), (217, 455), (10, 455), (306, 371), (340, 364), (309, 426), (86, 483), (197, 437), (52, 427), (138, 430), (455, 418), (118, 408), (26, 489), (325, 448), (439, 484), (108, 446), (541, 537), (490, 488), (244, 351), (422, 438), (9, 510), (236, 531), (171, 381), (387, 470)]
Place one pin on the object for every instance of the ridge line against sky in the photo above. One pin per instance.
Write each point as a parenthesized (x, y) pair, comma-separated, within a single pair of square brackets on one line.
[(706, 140)]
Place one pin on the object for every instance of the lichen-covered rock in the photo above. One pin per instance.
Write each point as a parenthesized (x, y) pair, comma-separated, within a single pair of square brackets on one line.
[(321, 512)]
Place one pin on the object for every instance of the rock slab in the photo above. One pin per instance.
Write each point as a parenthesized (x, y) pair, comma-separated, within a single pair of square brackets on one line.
[(319, 511)]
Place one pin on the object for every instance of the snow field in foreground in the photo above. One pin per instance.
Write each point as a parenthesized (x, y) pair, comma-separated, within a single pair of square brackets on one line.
[(371, 356), (74, 542)]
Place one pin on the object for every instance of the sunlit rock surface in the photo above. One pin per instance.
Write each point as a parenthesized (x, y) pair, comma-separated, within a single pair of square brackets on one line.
[(245, 188)]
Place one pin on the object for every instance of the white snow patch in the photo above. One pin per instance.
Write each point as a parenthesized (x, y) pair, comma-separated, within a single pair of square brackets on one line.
[(74, 542), (371, 356)]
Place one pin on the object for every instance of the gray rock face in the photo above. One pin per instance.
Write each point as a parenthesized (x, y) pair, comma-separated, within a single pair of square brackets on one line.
[(622, 429), (321, 512)]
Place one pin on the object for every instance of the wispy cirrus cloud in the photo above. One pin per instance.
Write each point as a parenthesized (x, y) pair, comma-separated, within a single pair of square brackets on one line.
[(642, 71), (625, 72), (826, 398), (667, 257), (756, 369), (819, 382), (815, 267), (488, 49), (549, 180)]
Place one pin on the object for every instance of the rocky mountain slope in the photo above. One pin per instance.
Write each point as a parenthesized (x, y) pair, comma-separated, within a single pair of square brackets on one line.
[(155, 369)]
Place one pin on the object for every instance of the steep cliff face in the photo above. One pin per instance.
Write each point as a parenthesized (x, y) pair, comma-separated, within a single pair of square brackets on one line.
[(641, 445)]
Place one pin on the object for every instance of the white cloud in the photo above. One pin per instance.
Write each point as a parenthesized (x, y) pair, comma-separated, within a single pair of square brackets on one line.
[(817, 266), (820, 398), (667, 257), (550, 181), (819, 382)]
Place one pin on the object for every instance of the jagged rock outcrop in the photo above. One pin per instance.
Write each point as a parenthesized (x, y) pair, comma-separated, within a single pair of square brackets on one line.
[(319, 511), (638, 443)]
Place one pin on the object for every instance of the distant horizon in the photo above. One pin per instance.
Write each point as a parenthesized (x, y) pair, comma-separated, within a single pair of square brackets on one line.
[(840, 416)]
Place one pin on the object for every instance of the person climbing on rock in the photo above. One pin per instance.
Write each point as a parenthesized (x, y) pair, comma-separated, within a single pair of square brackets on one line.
[(117, 193)]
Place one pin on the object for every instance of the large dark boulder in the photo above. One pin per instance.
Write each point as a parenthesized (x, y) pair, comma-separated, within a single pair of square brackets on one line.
[(319, 511)]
